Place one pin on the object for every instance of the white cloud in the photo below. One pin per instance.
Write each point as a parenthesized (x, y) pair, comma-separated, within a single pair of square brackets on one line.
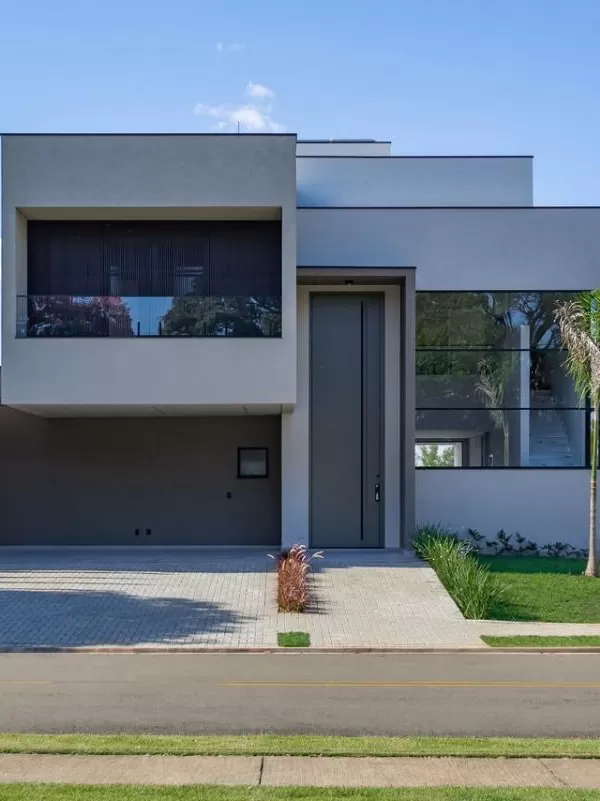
[(249, 117), (230, 47), (259, 90)]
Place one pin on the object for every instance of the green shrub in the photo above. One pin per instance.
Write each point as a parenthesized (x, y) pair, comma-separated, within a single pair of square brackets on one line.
[(474, 588)]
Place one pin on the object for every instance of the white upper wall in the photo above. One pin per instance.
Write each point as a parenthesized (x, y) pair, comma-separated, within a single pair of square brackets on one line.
[(146, 177), (460, 249), (342, 180), (343, 147)]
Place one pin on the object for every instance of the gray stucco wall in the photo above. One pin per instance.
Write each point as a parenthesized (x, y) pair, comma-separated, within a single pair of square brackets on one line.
[(422, 181), (543, 505), (116, 170), (460, 249), (94, 481), (146, 177)]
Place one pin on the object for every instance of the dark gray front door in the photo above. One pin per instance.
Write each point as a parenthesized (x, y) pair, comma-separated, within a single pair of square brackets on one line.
[(346, 420)]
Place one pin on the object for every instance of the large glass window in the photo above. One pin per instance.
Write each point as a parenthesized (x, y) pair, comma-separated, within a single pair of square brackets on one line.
[(492, 390), (185, 279)]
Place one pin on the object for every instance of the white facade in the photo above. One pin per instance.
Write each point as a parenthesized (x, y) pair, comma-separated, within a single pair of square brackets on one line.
[(354, 219)]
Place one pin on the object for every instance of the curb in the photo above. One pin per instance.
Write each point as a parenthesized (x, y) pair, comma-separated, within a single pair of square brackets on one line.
[(186, 649)]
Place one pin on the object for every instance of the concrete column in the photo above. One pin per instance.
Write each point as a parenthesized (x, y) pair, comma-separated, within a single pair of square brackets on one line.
[(295, 463), (393, 500), (524, 344), (406, 355)]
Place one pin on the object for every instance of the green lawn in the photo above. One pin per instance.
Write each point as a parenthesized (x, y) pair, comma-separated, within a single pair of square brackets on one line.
[(61, 792), (296, 745), (537, 641), (293, 639), (545, 589)]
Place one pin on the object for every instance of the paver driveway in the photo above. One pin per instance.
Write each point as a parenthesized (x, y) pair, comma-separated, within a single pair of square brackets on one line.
[(380, 599), (162, 597)]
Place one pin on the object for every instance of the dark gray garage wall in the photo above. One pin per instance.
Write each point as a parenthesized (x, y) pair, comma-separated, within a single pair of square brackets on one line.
[(94, 481)]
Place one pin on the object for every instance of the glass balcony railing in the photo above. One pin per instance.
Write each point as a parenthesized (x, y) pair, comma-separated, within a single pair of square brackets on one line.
[(122, 317)]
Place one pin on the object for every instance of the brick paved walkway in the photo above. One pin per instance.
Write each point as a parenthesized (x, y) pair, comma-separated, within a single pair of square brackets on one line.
[(217, 598), (380, 599)]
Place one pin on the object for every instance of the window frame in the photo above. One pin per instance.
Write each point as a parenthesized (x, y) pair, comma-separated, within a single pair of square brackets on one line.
[(585, 409), (240, 451)]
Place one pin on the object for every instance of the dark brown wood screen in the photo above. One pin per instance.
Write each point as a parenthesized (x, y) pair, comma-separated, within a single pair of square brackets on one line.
[(154, 259)]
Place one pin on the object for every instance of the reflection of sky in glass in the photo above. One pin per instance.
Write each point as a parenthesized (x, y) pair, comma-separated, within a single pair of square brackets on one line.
[(148, 312)]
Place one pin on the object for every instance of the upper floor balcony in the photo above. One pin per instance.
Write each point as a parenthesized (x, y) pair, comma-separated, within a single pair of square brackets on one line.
[(149, 274)]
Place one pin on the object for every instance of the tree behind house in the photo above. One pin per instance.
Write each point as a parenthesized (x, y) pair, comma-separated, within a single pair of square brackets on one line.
[(431, 456)]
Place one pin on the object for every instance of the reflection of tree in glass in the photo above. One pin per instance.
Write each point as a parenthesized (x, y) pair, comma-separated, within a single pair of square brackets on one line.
[(74, 316), (481, 319), (223, 316), (432, 457), (536, 310), (493, 386), (449, 320), (457, 319)]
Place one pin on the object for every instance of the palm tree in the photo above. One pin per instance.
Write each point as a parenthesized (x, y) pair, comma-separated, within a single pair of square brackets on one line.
[(579, 323)]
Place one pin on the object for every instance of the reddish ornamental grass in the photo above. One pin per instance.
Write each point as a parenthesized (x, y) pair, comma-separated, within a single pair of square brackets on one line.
[(293, 585)]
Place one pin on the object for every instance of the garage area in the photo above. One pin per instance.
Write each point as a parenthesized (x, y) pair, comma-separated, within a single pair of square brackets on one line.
[(211, 480)]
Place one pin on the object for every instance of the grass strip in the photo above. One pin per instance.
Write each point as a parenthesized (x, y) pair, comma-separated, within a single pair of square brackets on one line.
[(296, 745), (540, 588), (293, 639), (535, 641), (62, 792)]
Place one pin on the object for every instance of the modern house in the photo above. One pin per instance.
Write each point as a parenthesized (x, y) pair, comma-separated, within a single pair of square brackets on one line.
[(253, 340)]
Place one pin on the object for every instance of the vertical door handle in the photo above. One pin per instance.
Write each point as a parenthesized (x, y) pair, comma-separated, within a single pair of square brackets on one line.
[(377, 491)]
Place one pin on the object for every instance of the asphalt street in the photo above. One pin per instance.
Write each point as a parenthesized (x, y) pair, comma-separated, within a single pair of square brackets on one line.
[(551, 695)]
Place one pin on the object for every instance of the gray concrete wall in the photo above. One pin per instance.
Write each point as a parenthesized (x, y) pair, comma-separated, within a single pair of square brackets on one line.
[(93, 482), (146, 177), (104, 170), (422, 181), (460, 249), (343, 147)]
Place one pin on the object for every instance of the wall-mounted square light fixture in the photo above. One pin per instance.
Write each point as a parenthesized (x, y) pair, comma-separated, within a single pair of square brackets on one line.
[(253, 462)]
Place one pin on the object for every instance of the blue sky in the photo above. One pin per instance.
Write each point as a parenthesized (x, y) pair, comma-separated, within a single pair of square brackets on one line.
[(435, 76)]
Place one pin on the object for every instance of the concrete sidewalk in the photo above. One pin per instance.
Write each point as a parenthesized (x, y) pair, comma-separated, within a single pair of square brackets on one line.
[(301, 771), (518, 628)]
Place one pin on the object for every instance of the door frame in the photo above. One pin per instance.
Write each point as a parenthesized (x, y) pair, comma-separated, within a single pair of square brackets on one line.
[(391, 400), (380, 295)]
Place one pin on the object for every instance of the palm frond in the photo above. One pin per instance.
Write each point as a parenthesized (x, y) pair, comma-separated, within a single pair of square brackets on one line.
[(579, 324)]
